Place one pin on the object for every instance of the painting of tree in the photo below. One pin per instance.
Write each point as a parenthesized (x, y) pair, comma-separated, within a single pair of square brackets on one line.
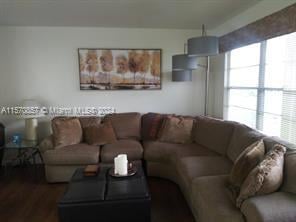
[(112, 69), (84, 73), (155, 66), (134, 59), (106, 60), (144, 64), (92, 64), (122, 65)]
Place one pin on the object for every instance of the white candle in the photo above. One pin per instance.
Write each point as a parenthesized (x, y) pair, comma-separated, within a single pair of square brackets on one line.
[(116, 165), (121, 163)]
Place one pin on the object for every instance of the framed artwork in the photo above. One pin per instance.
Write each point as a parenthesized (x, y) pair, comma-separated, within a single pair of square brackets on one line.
[(119, 69)]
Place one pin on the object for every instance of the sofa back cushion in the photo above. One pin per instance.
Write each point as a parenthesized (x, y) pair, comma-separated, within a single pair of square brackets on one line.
[(126, 125), (151, 123), (243, 136), (289, 183), (176, 130), (213, 133), (270, 141), (66, 131)]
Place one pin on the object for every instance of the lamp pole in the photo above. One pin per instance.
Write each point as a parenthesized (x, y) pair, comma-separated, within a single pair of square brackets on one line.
[(206, 105)]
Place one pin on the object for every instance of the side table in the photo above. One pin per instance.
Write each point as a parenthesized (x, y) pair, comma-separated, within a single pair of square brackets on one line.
[(26, 152), (1, 155)]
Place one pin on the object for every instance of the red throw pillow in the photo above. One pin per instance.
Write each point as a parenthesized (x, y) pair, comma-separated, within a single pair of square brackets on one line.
[(151, 123)]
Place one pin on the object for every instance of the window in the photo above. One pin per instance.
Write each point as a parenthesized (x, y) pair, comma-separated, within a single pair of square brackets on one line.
[(261, 86)]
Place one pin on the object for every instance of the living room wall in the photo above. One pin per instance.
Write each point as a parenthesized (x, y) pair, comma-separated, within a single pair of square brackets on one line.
[(41, 63)]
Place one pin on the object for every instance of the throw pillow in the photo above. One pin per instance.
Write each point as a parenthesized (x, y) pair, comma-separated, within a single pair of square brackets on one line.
[(246, 162), (66, 131), (100, 135), (265, 178), (151, 123), (87, 121), (176, 130)]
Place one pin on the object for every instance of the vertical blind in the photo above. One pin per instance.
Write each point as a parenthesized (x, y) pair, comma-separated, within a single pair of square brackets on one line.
[(261, 86)]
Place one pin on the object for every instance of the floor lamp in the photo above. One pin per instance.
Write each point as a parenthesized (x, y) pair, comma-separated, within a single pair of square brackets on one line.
[(182, 66), (204, 46), (31, 122)]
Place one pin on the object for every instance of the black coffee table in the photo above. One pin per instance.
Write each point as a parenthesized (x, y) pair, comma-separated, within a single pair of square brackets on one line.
[(106, 199)]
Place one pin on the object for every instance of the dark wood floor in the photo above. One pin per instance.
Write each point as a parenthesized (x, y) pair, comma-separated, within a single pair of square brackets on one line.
[(27, 198)]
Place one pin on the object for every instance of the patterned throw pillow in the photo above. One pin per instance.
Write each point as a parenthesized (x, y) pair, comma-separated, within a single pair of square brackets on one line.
[(266, 177)]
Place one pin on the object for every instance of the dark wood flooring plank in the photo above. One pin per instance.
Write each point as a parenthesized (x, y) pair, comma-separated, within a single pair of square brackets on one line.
[(25, 198)]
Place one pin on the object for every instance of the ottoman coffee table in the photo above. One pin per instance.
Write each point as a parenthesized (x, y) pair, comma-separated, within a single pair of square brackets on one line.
[(105, 198)]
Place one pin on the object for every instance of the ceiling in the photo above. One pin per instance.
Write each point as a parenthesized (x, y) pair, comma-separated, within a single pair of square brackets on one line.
[(171, 14)]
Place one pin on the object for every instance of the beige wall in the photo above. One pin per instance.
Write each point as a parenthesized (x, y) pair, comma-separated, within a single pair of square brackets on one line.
[(41, 63)]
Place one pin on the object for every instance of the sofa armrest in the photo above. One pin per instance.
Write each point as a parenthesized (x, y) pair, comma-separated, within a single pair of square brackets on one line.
[(275, 207), (46, 144)]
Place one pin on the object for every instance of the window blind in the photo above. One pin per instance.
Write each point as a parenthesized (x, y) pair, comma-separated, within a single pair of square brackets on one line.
[(261, 86)]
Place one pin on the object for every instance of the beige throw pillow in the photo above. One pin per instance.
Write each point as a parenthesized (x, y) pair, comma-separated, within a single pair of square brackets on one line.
[(176, 130), (246, 162), (66, 131), (265, 178)]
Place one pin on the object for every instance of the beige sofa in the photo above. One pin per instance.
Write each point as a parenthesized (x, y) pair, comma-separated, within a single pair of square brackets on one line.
[(200, 169), (61, 163)]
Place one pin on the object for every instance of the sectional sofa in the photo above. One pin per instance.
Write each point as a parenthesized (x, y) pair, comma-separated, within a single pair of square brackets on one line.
[(201, 168)]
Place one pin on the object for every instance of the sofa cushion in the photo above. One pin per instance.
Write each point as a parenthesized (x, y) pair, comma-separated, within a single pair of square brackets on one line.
[(151, 123), (156, 151), (78, 154), (275, 207), (197, 166), (289, 183), (126, 125), (246, 162), (66, 131), (270, 141), (242, 137), (213, 133), (266, 178), (132, 148), (100, 135), (213, 200), (176, 130)]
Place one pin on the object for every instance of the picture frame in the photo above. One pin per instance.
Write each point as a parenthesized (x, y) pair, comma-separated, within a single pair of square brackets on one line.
[(120, 69)]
